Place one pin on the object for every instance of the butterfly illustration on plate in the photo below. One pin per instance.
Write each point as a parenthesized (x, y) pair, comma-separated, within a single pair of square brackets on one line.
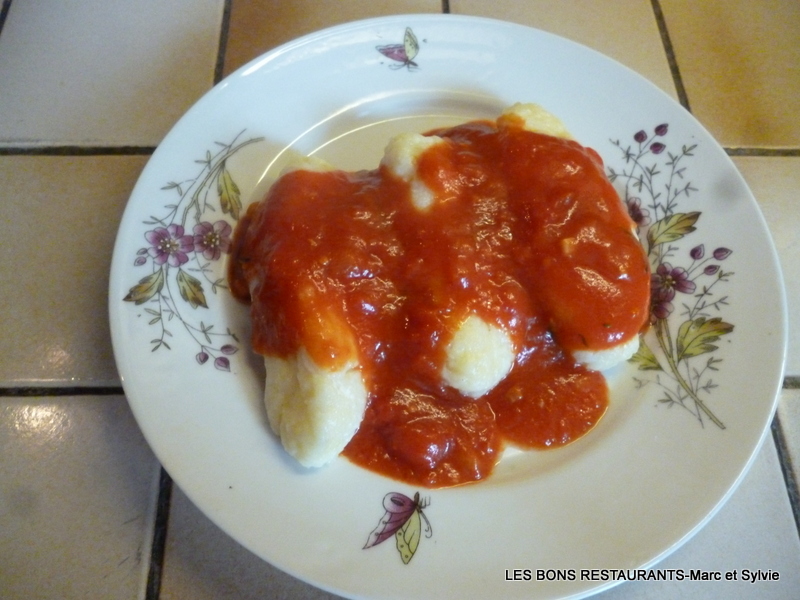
[(404, 53), (403, 519)]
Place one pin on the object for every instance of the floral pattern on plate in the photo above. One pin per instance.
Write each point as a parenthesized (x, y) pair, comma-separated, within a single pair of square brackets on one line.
[(183, 262), (679, 348)]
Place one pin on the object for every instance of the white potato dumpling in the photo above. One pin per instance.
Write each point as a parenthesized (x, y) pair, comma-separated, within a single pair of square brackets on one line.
[(603, 360), (314, 411), (534, 118), (307, 163), (478, 357), (401, 157)]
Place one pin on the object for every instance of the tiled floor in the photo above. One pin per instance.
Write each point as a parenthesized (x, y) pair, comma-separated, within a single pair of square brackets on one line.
[(62, 212), (103, 73), (77, 498), (88, 88), (751, 53)]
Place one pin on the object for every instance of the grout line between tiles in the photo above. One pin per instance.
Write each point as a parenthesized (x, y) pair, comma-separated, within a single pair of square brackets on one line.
[(670, 52), (769, 152), (785, 459), (791, 383), (76, 150), (223, 42), (81, 390), (4, 13), (157, 549)]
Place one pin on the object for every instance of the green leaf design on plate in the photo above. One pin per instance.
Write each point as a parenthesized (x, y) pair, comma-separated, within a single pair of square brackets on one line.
[(645, 358), (408, 536), (671, 228), (146, 288), (698, 336), (191, 290), (229, 194)]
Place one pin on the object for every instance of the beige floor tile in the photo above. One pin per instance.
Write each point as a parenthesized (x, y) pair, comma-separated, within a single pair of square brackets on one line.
[(774, 182), (77, 495), (740, 64), (624, 30), (58, 221), (260, 25), (204, 563), (103, 72)]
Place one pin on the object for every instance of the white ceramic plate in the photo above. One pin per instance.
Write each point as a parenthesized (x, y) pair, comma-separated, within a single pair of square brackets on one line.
[(684, 423)]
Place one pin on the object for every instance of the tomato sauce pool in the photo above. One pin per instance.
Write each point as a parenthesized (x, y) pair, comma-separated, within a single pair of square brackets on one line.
[(525, 232)]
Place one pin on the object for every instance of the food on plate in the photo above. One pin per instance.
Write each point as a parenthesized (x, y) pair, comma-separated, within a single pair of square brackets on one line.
[(462, 296), (314, 410)]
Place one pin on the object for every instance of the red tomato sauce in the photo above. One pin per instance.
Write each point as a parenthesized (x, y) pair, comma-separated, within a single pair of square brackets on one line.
[(525, 232)]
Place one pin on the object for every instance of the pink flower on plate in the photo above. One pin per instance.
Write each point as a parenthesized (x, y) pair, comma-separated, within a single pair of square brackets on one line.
[(661, 303), (169, 245), (671, 279), (663, 284), (212, 240)]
